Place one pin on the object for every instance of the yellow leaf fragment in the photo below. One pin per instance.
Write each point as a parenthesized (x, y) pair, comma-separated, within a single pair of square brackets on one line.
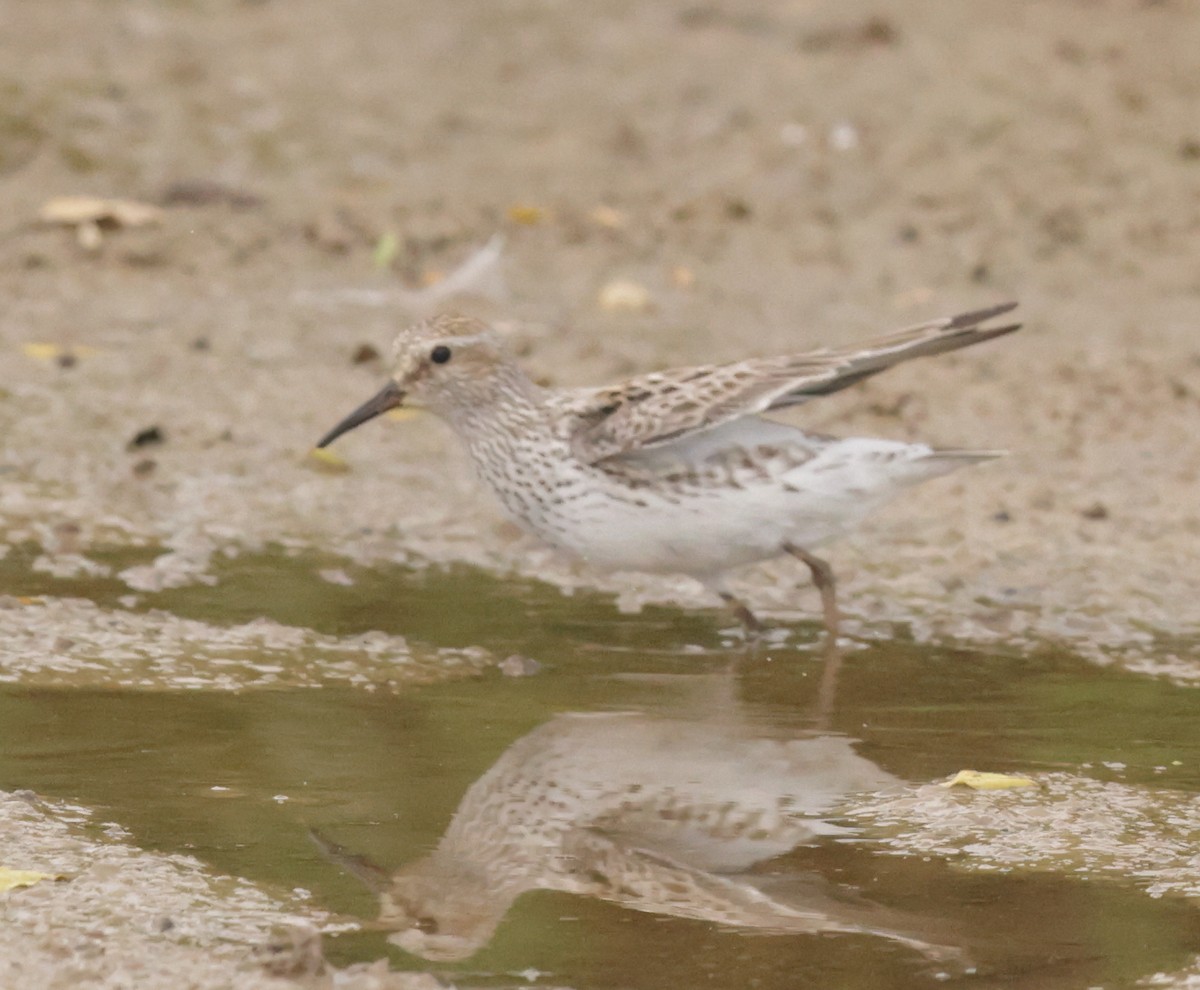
[(55, 352), (321, 459), (981, 780), (525, 213), (75, 211), (11, 879), (624, 295), (386, 249)]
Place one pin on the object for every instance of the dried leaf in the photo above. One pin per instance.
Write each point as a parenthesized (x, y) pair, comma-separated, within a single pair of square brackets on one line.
[(89, 237), (625, 295), (980, 780), (74, 211), (56, 352), (11, 879), (526, 214), (326, 461)]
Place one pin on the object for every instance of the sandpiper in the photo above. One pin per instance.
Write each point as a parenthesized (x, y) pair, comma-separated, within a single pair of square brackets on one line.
[(675, 471), (661, 814)]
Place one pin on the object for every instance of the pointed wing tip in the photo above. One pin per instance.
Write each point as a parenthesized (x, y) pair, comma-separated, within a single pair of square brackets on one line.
[(999, 331), (977, 316)]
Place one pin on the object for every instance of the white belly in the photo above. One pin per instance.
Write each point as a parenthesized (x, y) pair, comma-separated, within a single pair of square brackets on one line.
[(704, 531), (710, 502)]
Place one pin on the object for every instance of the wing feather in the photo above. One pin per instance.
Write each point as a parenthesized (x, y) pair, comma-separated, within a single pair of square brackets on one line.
[(663, 406)]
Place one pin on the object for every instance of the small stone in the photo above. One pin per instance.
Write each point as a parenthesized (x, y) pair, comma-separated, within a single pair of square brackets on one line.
[(793, 135), (1063, 225), (683, 276), (147, 437), (1097, 510), (843, 136), (519, 666), (738, 209), (364, 354), (608, 217), (295, 952)]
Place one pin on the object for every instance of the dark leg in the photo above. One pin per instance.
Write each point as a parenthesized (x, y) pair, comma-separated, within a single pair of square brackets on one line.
[(827, 692), (747, 618), (823, 578)]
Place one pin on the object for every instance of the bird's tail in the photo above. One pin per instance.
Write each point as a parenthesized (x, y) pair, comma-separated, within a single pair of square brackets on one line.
[(961, 458), (942, 461)]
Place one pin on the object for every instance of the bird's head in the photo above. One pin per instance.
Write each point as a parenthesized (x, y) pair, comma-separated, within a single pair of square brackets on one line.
[(442, 364)]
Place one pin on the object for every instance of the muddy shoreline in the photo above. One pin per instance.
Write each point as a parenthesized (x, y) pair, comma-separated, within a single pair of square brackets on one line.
[(768, 181)]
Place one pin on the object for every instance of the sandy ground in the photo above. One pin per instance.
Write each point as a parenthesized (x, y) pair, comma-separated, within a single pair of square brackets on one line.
[(124, 917), (774, 177), (806, 173)]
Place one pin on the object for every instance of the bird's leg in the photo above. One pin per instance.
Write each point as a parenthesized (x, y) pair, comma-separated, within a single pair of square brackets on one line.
[(827, 691), (741, 610), (823, 578)]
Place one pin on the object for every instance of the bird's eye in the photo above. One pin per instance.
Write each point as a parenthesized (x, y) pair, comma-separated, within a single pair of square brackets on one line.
[(426, 926), (440, 354)]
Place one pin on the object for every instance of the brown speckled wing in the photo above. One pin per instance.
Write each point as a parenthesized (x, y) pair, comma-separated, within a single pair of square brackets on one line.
[(658, 408)]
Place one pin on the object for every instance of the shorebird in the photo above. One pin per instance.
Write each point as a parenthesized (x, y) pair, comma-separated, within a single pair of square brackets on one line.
[(665, 815), (675, 471)]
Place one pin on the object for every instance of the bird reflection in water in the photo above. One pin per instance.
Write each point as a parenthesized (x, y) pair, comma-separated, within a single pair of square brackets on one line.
[(656, 814)]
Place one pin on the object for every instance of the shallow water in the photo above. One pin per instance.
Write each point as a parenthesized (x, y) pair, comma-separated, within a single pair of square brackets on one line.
[(653, 794)]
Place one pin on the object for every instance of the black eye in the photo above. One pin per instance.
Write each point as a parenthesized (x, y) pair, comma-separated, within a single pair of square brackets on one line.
[(427, 926), (440, 354)]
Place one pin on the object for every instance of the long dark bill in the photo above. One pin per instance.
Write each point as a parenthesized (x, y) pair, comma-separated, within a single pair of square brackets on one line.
[(388, 397)]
